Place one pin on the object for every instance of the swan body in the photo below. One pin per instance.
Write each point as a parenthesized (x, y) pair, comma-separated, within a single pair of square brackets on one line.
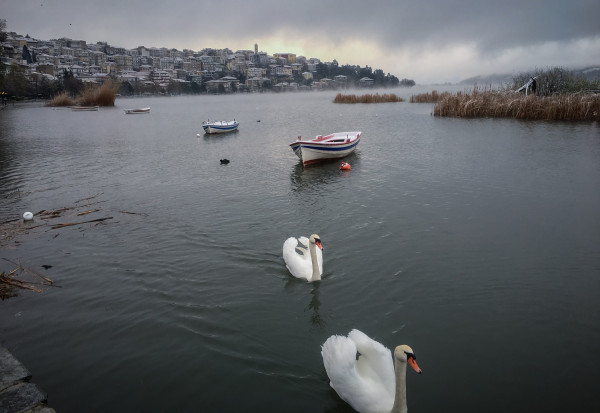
[(304, 257), (370, 383)]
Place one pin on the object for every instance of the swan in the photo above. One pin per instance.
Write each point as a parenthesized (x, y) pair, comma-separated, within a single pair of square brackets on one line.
[(371, 382), (303, 263)]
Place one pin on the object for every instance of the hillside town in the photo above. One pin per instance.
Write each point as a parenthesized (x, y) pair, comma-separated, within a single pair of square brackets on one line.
[(151, 70)]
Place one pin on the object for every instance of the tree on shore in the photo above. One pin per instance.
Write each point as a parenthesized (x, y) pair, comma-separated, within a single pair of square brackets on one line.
[(15, 82), (555, 80)]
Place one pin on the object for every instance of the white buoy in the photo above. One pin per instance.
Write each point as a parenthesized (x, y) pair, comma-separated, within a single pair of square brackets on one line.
[(27, 216)]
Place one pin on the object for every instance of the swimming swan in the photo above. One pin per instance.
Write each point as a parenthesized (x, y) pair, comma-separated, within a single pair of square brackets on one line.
[(301, 262), (370, 383)]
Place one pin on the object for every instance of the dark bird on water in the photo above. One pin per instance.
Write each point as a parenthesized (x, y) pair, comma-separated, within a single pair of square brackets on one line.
[(224, 161)]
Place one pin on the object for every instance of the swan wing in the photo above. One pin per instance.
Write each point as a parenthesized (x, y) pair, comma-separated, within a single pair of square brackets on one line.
[(299, 265), (355, 384), (375, 361), (304, 241)]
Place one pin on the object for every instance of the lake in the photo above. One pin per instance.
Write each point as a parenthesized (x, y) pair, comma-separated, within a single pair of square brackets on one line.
[(476, 242)]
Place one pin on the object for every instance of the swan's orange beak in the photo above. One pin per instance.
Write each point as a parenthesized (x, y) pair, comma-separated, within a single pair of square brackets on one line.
[(414, 365), (318, 242)]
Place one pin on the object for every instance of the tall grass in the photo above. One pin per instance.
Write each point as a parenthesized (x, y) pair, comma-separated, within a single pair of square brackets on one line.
[(369, 98), (98, 96), (103, 95), (61, 100), (432, 97), (507, 104)]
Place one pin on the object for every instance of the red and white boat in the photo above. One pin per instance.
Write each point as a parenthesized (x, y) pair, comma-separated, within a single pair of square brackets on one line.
[(335, 146)]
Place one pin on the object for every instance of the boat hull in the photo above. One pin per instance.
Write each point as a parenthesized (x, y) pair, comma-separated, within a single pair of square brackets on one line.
[(136, 111), (336, 146), (84, 108), (220, 127)]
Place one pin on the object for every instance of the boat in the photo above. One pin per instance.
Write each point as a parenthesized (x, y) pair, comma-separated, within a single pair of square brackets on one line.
[(335, 146), (84, 108), (136, 111), (220, 126)]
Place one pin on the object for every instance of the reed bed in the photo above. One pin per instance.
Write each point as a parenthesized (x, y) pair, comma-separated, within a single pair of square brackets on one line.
[(432, 97), (61, 100), (98, 96), (500, 104), (104, 95), (369, 98)]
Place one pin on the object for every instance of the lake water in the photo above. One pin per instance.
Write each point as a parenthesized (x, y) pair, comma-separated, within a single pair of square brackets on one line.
[(476, 242)]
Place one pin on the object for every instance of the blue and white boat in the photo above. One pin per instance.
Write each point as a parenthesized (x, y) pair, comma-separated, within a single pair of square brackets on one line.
[(220, 126), (335, 146)]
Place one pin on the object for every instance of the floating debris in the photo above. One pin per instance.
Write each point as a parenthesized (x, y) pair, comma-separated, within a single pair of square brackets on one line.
[(9, 281)]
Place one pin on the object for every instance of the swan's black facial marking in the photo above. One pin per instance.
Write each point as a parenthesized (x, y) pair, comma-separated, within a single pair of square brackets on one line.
[(410, 355)]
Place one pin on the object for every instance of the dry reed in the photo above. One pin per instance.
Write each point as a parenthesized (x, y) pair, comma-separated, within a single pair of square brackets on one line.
[(432, 97), (497, 104), (98, 96), (61, 100), (369, 98)]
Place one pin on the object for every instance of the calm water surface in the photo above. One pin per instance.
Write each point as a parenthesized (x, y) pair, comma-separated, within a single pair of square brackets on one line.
[(474, 241)]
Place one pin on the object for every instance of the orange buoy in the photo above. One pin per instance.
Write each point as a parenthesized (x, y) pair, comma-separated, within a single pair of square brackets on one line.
[(345, 166)]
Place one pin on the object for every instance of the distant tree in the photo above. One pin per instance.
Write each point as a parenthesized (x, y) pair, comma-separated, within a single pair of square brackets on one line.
[(2, 30), (71, 84), (26, 55), (195, 88), (365, 72), (221, 88), (174, 88), (555, 80), (322, 71), (33, 57), (126, 89), (407, 83), (15, 82)]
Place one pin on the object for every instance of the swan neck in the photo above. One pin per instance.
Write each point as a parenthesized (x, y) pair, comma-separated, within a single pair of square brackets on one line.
[(316, 274), (400, 398)]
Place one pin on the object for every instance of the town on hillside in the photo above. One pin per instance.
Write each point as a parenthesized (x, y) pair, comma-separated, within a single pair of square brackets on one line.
[(152, 70)]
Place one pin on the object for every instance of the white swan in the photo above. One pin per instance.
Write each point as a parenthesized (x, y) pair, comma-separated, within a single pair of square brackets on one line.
[(370, 383), (303, 263)]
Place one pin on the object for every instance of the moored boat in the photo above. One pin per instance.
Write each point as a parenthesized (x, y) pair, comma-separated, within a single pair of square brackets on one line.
[(220, 126), (84, 108), (335, 146), (136, 111)]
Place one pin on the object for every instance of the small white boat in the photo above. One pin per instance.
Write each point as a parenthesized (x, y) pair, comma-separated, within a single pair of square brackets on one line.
[(136, 111), (84, 108), (220, 126), (322, 148)]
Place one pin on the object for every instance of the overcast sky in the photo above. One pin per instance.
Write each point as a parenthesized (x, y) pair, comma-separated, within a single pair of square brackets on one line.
[(427, 41)]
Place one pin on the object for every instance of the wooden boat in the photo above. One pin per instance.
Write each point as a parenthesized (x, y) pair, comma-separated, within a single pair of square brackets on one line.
[(136, 111), (84, 108), (335, 146), (220, 126)]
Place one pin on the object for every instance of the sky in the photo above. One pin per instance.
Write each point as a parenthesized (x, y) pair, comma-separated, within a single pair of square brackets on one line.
[(434, 41)]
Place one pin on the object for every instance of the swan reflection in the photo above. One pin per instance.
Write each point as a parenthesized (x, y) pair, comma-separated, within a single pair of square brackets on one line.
[(314, 317)]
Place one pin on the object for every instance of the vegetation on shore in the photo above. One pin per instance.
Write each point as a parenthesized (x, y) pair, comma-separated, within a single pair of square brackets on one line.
[(369, 98), (558, 95), (90, 96), (508, 104), (429, 97)]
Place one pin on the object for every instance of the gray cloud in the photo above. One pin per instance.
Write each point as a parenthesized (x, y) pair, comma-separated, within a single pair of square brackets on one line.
[(490, 29)]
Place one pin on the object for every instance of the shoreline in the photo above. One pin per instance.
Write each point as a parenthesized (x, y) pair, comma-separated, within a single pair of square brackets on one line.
[(17, 393)]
